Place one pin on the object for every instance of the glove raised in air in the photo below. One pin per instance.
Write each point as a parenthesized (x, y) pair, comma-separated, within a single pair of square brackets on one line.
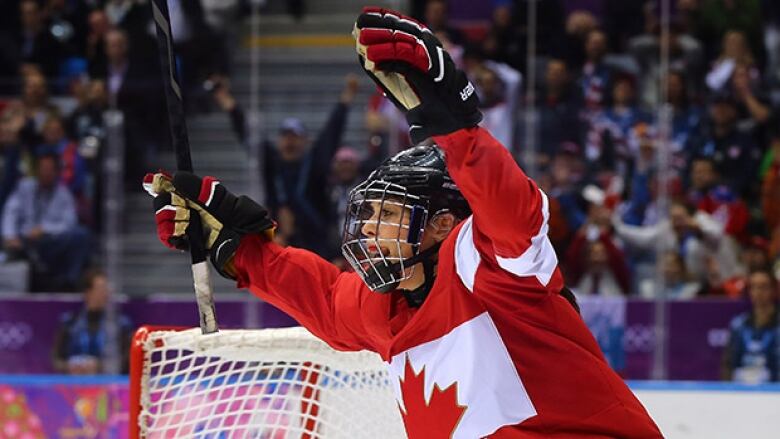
[(226, 217), (410, 65)]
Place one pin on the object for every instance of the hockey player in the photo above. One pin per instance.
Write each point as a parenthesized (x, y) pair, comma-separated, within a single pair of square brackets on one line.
[(456, 284)]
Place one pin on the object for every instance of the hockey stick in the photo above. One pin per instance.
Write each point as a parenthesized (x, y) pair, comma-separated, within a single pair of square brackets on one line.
[(181, 144)]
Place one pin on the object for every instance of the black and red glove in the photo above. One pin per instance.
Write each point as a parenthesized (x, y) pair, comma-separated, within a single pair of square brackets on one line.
[(410, 65), (226, 217)]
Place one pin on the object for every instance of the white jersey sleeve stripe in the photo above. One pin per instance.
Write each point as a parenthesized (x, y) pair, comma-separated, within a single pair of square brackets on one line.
[(539, 259), (466, 255)]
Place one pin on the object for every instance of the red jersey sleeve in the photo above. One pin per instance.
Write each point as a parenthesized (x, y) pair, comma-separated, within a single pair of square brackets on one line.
[(304, 286), (506, 204)]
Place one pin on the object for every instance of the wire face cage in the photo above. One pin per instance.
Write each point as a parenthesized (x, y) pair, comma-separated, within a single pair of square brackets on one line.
[(383, 228)]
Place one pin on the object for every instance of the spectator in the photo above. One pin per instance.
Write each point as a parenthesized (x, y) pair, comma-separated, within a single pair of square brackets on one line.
[(40, 222), (503, 41), (436, 18), (753, 106), (733, 151), (34, 42), (345, 175), (85, 123), (609, 138), (596, 75), (80, 342), (73, 168), (711, 19), (498, 86), (694, 234), (594, 263), (754, 257), (136, 92), (11, 150), (686, 117), (709, 195), (86, 128), (685, 55), (714, 281), (35, 101), (677, 281), (639, 208), (579, 24), (291, 174), (95, 46), (755, 254), (736, 53), (296, 175), (753, 353), (559, 103), (563, 185)]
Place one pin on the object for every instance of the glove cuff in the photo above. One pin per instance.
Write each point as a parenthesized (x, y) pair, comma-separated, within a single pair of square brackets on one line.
[(420, 129), (223, 249)]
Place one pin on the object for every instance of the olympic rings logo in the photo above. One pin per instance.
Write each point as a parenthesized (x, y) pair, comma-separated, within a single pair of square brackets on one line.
[(639, 338), (14, 335)]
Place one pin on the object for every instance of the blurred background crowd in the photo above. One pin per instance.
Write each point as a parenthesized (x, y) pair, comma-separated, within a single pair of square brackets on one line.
[(63, 64), (657, 142)]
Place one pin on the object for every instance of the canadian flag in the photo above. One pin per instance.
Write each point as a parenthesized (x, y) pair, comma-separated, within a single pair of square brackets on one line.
[(462, 385)]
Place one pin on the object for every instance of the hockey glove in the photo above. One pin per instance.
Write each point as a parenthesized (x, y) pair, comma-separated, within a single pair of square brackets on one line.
[(225, 217), (410, 65)]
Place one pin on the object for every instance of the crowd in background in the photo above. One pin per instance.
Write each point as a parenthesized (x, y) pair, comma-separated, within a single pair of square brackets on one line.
[(624, 201), (699, 203), (63, 64), (634, 210), (596, 131)]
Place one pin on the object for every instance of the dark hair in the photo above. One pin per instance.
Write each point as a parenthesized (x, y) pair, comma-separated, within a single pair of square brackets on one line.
[(689, 207), (48, 155), (558, 59), (88, 280), (624, 77), (707, 159), (679, 72), (767, 271)]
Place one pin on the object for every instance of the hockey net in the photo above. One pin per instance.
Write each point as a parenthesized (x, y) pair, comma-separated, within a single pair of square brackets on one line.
[(273, 383)]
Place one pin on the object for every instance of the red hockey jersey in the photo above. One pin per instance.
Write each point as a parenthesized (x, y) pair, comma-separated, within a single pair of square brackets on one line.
[(494, 350)]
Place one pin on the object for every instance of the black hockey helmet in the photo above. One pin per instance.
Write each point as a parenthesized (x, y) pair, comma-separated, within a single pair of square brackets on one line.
[(416, 180)]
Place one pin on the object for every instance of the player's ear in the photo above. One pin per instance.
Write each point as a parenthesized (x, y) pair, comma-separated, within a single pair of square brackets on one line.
[(441, 225)]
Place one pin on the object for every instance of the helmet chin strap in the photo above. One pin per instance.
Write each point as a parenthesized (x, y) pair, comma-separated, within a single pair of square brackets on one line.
[(416, 297)]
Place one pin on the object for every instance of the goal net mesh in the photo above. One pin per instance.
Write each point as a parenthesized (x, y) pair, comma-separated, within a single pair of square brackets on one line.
[(274, 383)]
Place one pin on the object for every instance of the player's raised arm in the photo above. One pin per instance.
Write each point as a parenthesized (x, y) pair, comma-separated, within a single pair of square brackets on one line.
[(409, 63), (238, 238)]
